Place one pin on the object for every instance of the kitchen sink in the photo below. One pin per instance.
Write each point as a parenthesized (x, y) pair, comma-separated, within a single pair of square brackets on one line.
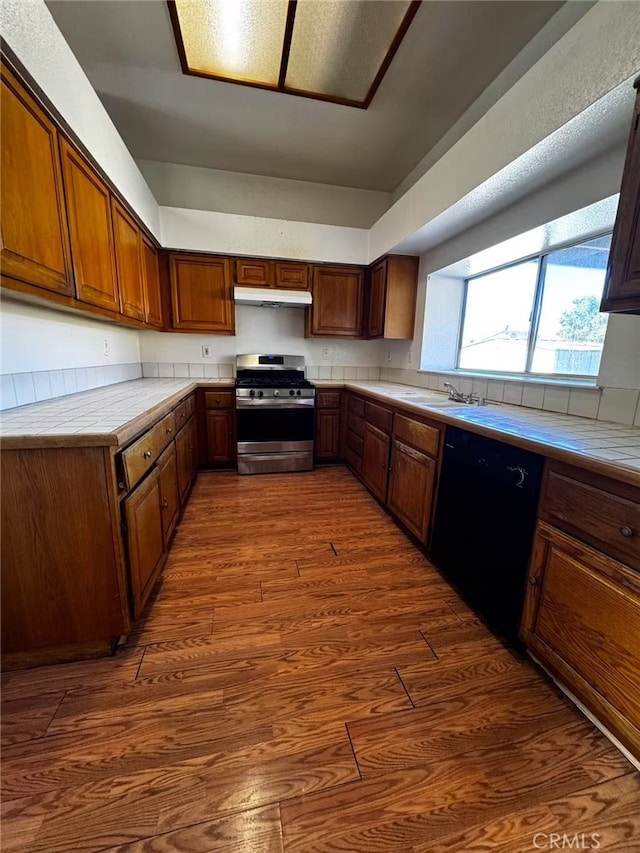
[(435, 401)]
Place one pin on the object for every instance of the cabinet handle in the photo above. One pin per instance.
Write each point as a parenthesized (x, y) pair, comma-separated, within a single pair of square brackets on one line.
[(165, 503), (533, 581), (169, 430), (626, 531), (146, 454)]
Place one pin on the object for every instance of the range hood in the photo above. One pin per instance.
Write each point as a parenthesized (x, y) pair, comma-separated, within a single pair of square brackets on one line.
[(271, 298)]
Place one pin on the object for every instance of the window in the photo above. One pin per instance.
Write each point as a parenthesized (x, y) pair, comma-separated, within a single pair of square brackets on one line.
[(538, 316)]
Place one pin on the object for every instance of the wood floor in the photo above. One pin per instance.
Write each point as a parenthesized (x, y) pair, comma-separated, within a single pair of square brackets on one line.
[(304, 680)]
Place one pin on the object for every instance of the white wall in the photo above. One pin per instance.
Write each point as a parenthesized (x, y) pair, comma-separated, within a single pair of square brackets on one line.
[(32, 34), (259, 330), (227, 233), (176, 185)]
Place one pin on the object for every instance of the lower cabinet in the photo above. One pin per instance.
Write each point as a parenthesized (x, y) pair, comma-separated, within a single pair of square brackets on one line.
[(220, 441), (582, 620), (375, 460), (145, 536), (186, 458), (170, 496), (411, 486), (327, 442)]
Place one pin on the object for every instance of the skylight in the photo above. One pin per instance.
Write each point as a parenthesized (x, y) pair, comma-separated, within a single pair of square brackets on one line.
[(332, 50)]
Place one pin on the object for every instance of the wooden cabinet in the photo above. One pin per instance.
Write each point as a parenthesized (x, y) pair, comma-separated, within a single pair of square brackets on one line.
[(289, 275), (186, 458), (90, 228), (151, 283), (582, 620), (411, 487), (220, 439), (145, 538), (336, 311), (622, 283), (328, 426), (169, 495), (201, 294), (128, 249), (35, 241), (375, 460), (253, 272), (391, 307)]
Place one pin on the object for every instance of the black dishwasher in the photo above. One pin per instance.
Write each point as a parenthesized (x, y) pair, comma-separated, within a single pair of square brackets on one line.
[(484, 524)]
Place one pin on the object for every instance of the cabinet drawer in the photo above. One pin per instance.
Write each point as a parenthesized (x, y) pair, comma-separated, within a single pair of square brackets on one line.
[(183, 411), (610, 522), (328, 399), (355, 424), (356, 405), (355, 442), (142, 454), (422, 436), (353, 460), (218, 399), (379, 416)]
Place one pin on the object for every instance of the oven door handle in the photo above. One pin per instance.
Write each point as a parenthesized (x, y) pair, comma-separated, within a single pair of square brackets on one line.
[(244, 403)]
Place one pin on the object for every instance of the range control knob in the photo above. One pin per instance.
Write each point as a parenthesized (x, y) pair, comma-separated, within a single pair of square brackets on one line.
[(260, 394), (252, 393), (299, 393), (291, 393), (276, 393)]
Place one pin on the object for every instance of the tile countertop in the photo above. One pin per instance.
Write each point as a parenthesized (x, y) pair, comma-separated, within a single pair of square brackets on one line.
[(116, 414)]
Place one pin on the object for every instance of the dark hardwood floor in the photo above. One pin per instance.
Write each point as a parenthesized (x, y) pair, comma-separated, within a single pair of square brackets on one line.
[(303, 680)]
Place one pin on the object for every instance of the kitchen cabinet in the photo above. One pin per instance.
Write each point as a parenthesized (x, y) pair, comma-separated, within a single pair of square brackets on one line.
[(186, 458), (220, 443), (91, 231), (328, 424), (622, 283), (411, 487), (392, 292), (375, 460), (253, 272), (35, 240), (151, 284), (582, 621), (337, 306), (128, 249), (201, 294), (169, 495), (289, 275), (145, 538)]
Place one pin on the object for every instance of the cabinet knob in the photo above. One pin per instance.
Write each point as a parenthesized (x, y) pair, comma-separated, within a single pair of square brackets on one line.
[(169, 430), (533, 581), (165, 503), (146, 454), (626, 531)]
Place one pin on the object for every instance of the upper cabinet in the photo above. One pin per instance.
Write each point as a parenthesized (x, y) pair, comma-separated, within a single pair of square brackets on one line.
[(35, 242), (201, 294), (622, 284), (256, 272), (337, 306), (392, 297), (151, 284), (128, 250), (90, 227)]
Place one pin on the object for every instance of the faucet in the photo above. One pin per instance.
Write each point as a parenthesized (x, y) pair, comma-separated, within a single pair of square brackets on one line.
[(459, 397)]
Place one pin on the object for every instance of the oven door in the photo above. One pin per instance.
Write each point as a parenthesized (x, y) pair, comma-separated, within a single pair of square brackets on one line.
[(260, 424)]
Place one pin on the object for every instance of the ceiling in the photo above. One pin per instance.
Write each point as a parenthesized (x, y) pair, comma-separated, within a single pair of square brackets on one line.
[(450, 54)]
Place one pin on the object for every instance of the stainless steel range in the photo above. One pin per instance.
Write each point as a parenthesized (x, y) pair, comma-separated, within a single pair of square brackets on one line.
[(275, 414)]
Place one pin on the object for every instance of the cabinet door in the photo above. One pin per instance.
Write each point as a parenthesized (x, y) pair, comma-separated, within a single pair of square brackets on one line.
[(411, 488), (375, 460), (220, 446), (151, 284), (127, 242), (253, 273), (90, 227), (337, 303), (35, 241), (291, 276), (327, 442), (377, 293), (169, 495), (582, 619), (183, 459), (201, 294), (622, 284), (145, 536)]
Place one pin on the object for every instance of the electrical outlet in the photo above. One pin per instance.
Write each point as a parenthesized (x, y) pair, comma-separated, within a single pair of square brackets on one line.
[(206, 352), (105, 348), (389, 357), (326, 354)]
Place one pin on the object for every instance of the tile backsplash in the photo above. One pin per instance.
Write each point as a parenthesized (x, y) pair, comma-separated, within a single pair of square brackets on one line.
[(19, 389), (164, 369), (618, 405)]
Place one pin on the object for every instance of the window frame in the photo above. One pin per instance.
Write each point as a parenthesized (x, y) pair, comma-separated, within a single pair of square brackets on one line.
[(534, 321)]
